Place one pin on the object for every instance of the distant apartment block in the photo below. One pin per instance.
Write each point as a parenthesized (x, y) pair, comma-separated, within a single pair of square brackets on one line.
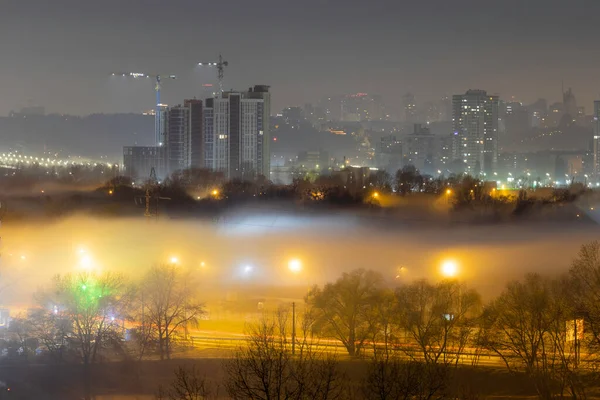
[(229, 133), (475, 132)]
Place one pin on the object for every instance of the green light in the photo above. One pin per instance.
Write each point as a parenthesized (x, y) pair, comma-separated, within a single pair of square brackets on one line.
[(83, 287)]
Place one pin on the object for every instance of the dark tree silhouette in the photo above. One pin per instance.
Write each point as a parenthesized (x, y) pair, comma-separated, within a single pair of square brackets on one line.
[(344, 310), (169, 305), (408, 180)]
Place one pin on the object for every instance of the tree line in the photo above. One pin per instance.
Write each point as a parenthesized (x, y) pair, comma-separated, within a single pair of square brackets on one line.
[(87, 318), (460, 190), (411, 338)]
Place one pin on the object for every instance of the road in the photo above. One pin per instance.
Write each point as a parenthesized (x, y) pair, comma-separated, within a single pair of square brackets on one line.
[(226, 343)]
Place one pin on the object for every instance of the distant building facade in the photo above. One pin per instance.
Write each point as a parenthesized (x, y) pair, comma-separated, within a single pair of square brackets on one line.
[(420, 149), (317, 160), (410, 108), (475, 131), (184, 136), (236, 133), (388, 154), (596, 140), (358, 107), (30, 111), (138, 161), (229, 133), (570, 103)]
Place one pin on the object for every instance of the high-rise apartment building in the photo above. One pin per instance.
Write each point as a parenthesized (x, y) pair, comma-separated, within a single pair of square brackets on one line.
[(236, 133), (410, 108), (261, 92), (596, 142), (229, 133), (569, 103), (420, 149), (475, 131), (184, 136), (388, 154), (177, 123)]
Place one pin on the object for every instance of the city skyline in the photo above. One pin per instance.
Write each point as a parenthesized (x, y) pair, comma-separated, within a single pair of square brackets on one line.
[(383, 47), (318, 199)]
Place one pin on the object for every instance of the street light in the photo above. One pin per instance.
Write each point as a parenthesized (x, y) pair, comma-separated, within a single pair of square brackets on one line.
[(247, 270), (400, 271), (295, 265), (85, 261), (174, 260), (449, 268)]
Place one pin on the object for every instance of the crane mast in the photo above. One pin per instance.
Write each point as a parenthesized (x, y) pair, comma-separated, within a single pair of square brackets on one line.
[(158, 123)]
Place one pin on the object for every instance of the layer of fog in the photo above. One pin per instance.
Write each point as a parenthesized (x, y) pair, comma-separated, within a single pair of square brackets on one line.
[(252, 250)]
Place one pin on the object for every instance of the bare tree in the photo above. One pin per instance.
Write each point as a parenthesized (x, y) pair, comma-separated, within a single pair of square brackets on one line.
[(387, 330), (93, 305), (526, 326), (142, 335), (585, 277), (187, 385), (441, 320), (380, 181), (51, 329), (267, 369), (344, 310), (19, 329), (169, 305)]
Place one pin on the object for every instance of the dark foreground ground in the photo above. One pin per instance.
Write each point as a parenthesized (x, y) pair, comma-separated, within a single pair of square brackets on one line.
[(130, 380)]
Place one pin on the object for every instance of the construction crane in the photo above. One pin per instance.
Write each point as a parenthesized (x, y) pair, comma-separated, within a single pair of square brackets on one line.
[(220, 65), (158, 129)]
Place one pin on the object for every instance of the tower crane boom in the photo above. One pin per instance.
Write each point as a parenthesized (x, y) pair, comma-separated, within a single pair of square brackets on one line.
[(220, 65)]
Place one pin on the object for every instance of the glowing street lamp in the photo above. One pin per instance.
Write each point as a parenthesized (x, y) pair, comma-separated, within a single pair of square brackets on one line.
[(248, 270), (375, 195), (449, 268), (174, 260), (295, 265), (448, 195), (86, 261), (400, 271)]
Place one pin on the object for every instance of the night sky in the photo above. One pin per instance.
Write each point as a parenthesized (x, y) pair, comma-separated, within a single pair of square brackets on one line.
[(59, 53)]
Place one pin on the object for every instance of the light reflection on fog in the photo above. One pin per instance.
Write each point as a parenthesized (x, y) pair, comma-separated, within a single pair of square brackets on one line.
[(217, 252)]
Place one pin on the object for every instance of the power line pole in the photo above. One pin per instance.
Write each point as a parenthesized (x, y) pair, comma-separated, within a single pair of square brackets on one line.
[(294, 327), (151, 193)]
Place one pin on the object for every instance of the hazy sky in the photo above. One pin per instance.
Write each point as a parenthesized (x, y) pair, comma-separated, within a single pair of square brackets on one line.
[(58, 53)]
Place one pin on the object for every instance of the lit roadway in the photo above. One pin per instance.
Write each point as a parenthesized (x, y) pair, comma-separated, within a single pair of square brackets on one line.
[(16, 160), (227, 342)]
